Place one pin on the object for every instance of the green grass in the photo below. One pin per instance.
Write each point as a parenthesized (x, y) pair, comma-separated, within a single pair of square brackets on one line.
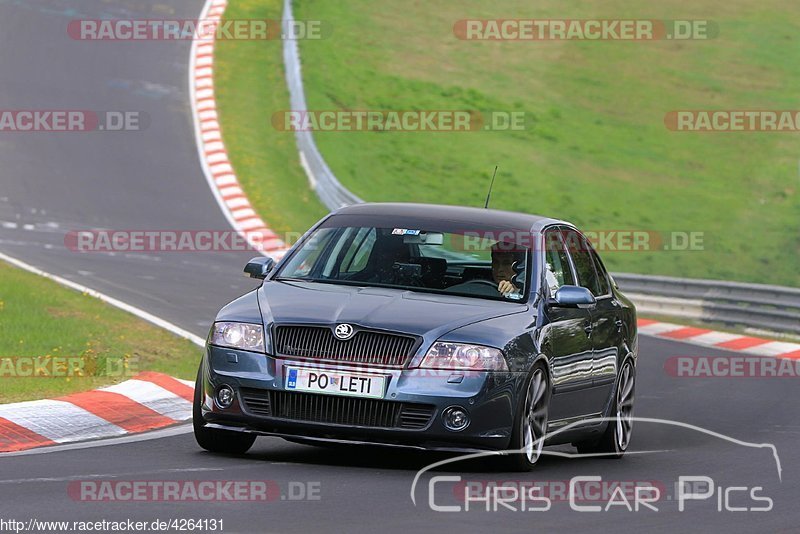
[(596, 152), (250, 86), (40, 318)]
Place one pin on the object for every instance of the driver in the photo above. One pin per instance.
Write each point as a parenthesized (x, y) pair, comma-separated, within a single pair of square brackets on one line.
[(504, 255), (503, 258)]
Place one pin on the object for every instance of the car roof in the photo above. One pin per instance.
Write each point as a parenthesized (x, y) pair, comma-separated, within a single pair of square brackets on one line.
[(458, 215)]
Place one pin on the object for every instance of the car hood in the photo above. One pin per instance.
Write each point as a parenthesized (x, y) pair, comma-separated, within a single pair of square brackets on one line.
[(423, 314)]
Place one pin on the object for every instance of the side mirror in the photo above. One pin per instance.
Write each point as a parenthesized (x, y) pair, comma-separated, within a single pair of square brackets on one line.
[(259, 267), (573, 297)]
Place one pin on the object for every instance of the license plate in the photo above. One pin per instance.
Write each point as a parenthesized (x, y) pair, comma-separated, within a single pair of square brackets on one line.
[(335, 382)]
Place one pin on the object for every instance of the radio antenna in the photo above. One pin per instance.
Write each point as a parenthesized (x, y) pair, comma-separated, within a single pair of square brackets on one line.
[(485, 206)]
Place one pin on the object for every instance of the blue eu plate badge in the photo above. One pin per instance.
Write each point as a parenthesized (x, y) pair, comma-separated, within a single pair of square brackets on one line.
[(292, 382)]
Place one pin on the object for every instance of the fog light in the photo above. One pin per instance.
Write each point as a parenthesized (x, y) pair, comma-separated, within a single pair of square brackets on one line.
[(455, 418), (224, 397)]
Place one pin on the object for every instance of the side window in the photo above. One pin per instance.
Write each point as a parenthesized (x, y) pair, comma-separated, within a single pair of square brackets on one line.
[(344, 236), (557, 269), (310, 255), (357, 255), (584, 266), (602, 275)]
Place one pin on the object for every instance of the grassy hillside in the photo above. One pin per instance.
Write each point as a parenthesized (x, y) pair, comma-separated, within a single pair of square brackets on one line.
[(597, 151), (250, 86)]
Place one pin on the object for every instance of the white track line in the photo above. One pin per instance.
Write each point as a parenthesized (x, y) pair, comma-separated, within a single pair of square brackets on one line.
[(138, 312)]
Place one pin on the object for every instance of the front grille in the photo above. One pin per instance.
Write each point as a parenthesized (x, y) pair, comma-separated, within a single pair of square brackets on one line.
[(337, 410), (364, 347)]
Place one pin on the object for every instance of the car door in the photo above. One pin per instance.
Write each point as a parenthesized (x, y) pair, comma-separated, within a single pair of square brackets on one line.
[(568, 340), (601, 319), (606, 330)]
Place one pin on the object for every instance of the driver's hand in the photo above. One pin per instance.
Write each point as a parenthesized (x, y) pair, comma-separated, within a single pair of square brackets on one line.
[(505, 287)]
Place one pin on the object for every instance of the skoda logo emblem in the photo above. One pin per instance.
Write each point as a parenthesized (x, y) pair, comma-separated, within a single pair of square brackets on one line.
[(343, 331)]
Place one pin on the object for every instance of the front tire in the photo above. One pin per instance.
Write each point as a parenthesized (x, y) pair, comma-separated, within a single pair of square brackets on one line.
[(530, 423), (617, 436), (212, 439)]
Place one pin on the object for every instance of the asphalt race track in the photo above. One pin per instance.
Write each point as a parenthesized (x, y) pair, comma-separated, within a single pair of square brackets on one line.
[(143, 180), (57, 182)]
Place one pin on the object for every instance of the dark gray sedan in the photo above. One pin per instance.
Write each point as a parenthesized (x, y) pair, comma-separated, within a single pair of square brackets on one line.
[(436, 327)]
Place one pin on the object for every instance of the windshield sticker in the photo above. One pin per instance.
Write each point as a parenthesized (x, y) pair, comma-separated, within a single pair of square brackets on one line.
[(404, 231)]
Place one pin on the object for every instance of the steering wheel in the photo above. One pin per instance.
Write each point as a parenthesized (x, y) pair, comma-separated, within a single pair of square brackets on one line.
[(494, 286), (481, 281)]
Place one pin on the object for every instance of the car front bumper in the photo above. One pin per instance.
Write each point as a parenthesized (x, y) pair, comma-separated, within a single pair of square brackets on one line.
[(264, 406)]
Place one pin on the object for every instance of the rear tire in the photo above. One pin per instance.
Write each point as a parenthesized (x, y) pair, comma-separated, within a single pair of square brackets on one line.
[(617, 436), (530, 422), (212, 439)]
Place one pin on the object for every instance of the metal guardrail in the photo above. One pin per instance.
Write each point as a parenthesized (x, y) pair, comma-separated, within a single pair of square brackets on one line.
[(327, 187), (760, 306), (767, 307)]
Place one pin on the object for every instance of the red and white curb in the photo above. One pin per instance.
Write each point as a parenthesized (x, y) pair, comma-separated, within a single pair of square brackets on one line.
[(720, 340), (211, 148), (148, 401)]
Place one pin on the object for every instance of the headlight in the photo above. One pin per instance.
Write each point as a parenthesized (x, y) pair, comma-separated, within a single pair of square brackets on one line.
[(244, 336), (444, 355)]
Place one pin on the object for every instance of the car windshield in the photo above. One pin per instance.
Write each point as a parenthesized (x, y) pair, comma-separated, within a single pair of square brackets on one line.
[(415, 259)]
